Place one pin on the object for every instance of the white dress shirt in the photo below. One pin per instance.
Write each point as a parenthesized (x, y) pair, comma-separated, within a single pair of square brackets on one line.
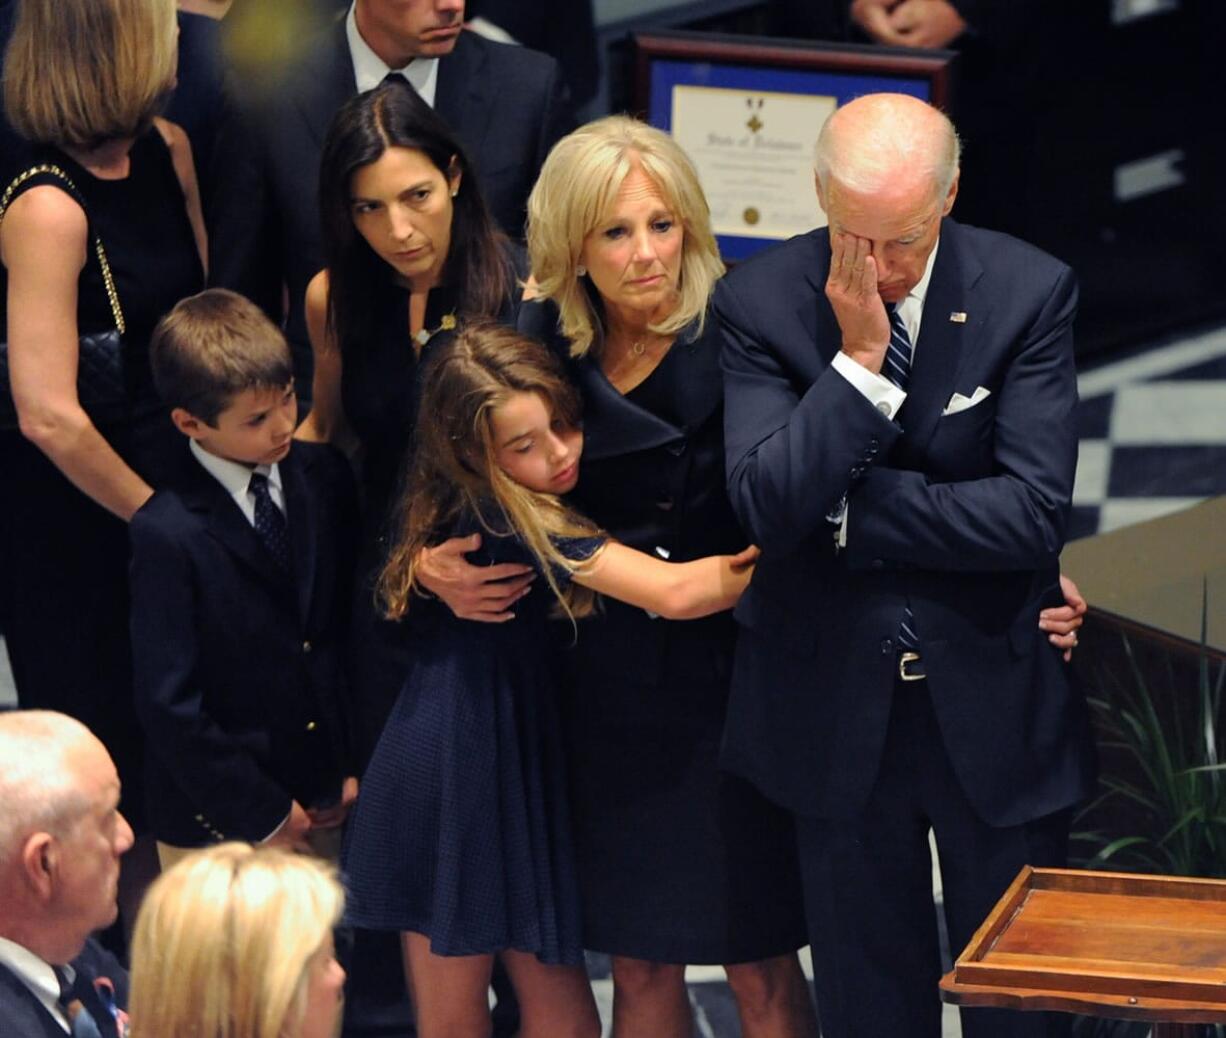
[(236, 479), (879, 390), (35, 974), (369, 69)]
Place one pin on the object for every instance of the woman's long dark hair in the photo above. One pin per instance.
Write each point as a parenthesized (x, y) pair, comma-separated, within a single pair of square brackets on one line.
[(393, 116)]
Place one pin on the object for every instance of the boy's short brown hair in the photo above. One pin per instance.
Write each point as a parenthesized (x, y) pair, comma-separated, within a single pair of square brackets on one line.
[(213, 346)]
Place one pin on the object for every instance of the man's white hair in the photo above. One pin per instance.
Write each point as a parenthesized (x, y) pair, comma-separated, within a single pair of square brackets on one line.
[(870, 142), (38, 785)]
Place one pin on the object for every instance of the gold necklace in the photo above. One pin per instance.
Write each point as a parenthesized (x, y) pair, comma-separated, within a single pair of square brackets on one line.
[(447, 324), (624, 367)]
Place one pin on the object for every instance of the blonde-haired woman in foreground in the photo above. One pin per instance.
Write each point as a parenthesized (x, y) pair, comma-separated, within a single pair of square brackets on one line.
[(236, 942)]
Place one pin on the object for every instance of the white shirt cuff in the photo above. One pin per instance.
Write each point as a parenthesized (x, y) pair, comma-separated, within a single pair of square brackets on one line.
[(877, 389)]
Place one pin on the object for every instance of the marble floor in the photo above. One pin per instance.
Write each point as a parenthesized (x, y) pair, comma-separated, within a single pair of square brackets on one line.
[(1153, 441)]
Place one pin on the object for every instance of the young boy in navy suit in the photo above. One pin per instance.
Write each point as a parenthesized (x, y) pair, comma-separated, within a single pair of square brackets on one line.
[(241, 577)]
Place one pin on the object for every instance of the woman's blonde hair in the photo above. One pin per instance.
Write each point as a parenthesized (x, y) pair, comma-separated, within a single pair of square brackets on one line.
[(574, 193), (224, 941), (78, 73), (455, 472)]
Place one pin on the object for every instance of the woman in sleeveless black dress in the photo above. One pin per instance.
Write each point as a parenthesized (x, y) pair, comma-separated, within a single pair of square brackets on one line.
[(405, 265), (72, 482)]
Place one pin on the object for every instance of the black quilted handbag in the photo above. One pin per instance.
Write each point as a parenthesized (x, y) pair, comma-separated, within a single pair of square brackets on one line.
[(101, 385)]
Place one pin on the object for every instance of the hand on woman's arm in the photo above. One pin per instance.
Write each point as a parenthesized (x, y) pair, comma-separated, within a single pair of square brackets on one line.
[(675, 590), (326, 423), (42, 244)]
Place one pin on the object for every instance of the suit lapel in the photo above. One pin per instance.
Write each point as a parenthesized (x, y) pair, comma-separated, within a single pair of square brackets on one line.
[(303, 532), (698, 380), (227, 524), (330, 84), (462, 95), (942, 342), (21, 1010), (814, 313), (613, 425)]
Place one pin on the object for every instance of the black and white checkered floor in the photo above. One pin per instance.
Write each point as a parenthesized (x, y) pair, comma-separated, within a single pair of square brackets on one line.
[(1153, 433), (1153, 441)]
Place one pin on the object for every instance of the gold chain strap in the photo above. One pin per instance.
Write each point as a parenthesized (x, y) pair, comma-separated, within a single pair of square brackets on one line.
[(107, 279)]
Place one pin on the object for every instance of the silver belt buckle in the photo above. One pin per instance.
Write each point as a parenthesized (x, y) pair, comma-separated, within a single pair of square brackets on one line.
[(905, 659)]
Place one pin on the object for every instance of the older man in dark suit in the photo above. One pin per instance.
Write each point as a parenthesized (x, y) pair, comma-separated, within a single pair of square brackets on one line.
[(61, 837), (506, 104), (900, 399)]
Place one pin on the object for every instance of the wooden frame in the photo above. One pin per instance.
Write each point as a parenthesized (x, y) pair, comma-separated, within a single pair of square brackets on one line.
[(810, 55), (667, 64)]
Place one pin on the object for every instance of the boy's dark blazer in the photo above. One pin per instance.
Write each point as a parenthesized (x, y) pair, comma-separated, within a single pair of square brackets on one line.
[(22, 1015), (239, 667)]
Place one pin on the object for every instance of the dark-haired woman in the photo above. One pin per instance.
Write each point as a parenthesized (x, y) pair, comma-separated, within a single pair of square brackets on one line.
[(410, 250)]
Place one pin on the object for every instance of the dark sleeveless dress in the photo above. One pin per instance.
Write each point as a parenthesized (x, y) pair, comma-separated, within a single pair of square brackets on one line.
[(380, 392), (462, 831), (63, 569)]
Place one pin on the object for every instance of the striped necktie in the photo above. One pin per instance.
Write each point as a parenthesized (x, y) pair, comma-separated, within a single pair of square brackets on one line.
[(897, 368)]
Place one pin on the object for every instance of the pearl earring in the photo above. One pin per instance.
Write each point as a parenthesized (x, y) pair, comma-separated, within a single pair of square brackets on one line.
[(580, 270), (455, 191)]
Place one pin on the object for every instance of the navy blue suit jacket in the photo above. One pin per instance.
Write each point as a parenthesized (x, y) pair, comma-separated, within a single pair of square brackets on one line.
[(506, 104), (22, 1015), (239, 667), (960, 515)]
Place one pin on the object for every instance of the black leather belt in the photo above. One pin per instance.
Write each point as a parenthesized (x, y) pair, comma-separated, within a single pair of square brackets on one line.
[(910, 667)]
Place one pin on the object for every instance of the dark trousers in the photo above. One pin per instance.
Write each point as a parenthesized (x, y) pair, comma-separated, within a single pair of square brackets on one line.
[(868, 890)]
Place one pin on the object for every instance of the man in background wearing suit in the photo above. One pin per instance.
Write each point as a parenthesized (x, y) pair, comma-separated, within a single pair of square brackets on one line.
[(565, 29), (900, 404), (61, 837), (506, 104)]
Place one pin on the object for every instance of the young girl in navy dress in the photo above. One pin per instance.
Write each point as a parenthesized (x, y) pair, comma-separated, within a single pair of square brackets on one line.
[(460, 839)]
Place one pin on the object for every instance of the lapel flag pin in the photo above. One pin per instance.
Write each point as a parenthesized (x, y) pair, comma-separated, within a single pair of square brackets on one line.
[(958, 317)]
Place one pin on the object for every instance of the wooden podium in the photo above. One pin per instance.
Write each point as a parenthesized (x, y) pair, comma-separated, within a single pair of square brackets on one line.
[(1101, 943)]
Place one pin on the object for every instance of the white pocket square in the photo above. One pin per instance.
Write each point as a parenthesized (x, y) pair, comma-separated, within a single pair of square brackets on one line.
[(958, 402)]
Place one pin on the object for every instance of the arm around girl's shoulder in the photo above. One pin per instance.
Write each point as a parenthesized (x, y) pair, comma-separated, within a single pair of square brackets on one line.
[(674, 590)]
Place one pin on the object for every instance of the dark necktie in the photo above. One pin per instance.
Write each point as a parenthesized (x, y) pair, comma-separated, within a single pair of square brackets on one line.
[(897, 368), (87, 1014), (269, 522)]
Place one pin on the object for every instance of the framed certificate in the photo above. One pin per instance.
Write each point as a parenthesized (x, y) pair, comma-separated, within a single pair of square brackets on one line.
[(748, 110)]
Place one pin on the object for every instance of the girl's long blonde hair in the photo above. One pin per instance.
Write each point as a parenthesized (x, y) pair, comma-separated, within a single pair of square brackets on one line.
[(455, 471)]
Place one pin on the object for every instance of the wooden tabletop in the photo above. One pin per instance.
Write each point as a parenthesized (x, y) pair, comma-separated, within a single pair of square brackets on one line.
[(1102, 943)]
